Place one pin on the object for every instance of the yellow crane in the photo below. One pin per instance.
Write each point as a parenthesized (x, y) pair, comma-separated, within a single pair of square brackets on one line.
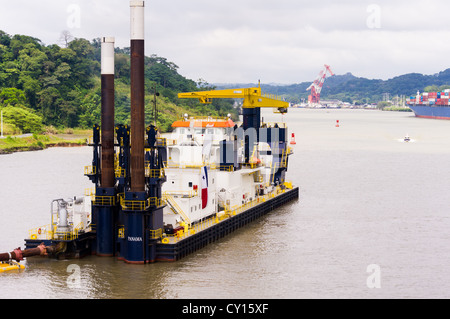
[(253, 98)]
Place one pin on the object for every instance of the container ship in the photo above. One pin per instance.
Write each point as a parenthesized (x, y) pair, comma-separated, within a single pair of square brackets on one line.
[(434, 105), (160, 197)]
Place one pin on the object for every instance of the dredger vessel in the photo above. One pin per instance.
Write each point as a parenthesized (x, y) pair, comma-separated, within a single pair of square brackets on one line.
[(160, 197)]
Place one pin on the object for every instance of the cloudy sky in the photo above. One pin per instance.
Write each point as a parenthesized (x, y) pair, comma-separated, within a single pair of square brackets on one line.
[(242, 41)]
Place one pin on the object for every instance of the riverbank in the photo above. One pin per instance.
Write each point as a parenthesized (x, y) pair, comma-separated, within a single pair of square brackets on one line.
[(35, 142), (397, 109)]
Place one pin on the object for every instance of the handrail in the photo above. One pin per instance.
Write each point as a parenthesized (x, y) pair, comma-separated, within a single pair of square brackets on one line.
[(188, 194), (171, 202), (139, 205), (90, 170), (273, 124), (104, 200), (195, 165), (44, 232), (154, 173), (89, 191), (120, 172), (155, 233)]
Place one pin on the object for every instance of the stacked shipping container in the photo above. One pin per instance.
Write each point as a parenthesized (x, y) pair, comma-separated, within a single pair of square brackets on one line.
[(430, 98)]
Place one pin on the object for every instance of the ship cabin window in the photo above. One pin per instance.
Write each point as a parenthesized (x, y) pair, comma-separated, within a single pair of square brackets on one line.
[(199, 207), (199, 131), (182, 131), (210, 131), (190, 184)]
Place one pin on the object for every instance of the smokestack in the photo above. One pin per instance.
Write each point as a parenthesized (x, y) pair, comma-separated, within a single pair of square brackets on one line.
[(107, 129), (137, 97)]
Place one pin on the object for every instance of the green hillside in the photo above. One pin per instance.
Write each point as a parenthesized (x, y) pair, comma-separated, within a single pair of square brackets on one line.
[(352, 89), (45, 86)]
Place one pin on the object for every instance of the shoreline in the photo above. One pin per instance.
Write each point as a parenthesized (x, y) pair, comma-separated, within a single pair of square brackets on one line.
[(11, 144)]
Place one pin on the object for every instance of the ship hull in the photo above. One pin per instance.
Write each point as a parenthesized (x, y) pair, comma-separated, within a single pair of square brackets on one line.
[(186, 246), (170, 252), (431, 112)]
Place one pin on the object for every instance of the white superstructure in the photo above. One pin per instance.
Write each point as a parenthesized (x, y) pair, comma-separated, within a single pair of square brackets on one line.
[(193, 164)]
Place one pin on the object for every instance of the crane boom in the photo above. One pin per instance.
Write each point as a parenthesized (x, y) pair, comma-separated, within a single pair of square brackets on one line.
[(253, 98), (316, 86)]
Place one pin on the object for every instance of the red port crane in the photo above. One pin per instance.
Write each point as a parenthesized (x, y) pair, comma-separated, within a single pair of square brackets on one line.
[(316, 86)]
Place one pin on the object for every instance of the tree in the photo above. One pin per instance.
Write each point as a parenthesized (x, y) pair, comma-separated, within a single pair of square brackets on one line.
[(122, 65), (31, 86), (65, 38), (62, 72), (12, 96), (31, 59), (23, 118), (18, 42), (204, 85), (383, 104), (83, 66), (47, 105), (5, 39)]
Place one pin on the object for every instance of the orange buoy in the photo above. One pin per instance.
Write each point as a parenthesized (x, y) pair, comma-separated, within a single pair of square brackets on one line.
[(293, 139)]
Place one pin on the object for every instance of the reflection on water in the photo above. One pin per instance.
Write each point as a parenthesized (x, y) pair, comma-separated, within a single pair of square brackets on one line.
[(365, 199)]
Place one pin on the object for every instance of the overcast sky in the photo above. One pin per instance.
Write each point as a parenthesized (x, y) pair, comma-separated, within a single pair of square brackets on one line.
[(242, 41)]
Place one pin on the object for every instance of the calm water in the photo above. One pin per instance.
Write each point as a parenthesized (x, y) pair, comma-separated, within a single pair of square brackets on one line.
[(365, 199)]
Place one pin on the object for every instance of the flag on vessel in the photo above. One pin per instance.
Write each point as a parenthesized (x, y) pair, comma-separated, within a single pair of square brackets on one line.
[(204, 187)]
